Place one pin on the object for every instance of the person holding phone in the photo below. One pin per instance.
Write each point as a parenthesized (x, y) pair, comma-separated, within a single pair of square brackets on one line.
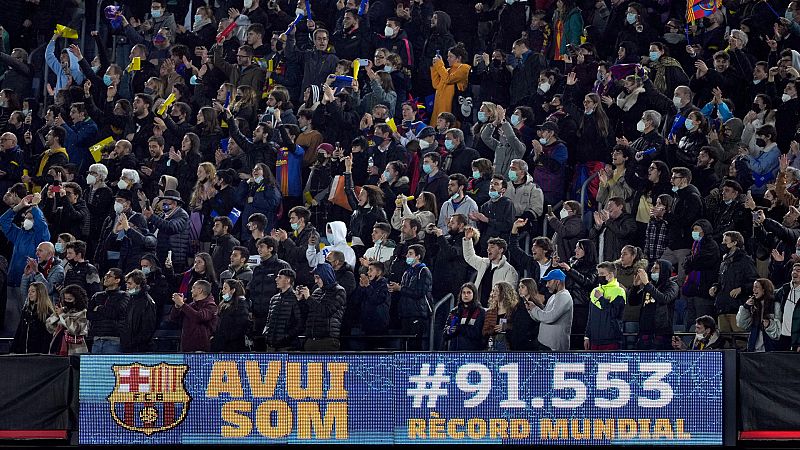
[(197, 316)]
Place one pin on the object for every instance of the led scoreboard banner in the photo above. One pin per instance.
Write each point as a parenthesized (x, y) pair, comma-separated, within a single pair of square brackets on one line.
[(591, 398)]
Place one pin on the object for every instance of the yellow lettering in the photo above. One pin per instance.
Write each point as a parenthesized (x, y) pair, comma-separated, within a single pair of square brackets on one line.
[(575, 429), (476, 428), (644, 429), (520, 429), (416, 428), (242, 426), (313, 389), (679, 433), (224, 378), (283, 419), (626, 428), (336, 389), (662, 429), (603, 429), (549, 429), (436, 427), (498, 428), (452, 431), (262, 387), (334, 421)]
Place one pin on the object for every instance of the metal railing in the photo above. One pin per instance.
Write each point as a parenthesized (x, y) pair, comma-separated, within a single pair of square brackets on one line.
[(585, 188), (447, 298)]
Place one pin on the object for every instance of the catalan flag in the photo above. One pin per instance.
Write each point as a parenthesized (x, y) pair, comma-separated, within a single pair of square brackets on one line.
[(696, 10)]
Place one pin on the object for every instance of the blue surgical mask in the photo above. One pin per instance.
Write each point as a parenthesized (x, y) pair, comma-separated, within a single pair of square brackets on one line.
[(789, 15), (156, 13), (454, 197), (295, 226), (482, 117), (427, 168), (654, 56), (696, 235), (387, 176), (512, 175), (411, 261), (388, 69), (146, 270), (674, 188), (543, 141), (258, 180), (601, 76), (165, 207), (194, 81), (329, 236), (476, 174), (59, 247), (588, 112), (378, 241), (689, 124), (494, 195), (655, 276), (515, 120), (226, 297), (107, 80), (631, 18), (198, 18), (448, 144)]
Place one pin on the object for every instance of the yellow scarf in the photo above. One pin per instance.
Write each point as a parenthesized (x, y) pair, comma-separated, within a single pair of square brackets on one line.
[(46, 156)]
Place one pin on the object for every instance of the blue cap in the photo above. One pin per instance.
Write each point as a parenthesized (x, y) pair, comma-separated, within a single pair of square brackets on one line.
[(556, 274)]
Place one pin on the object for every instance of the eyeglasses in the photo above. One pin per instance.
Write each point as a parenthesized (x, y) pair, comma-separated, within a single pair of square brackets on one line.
[(242, 56), (675, 177)]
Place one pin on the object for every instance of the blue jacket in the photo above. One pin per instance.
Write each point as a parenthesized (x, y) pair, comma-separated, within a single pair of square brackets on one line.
[(25, 242), (373, 302), (265, 200), (55, 65), (604, 324), (82, 135)]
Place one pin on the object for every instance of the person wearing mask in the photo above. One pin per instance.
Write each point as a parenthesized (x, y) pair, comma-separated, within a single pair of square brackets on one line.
[(615, 226), (382, 248), (122, 236), (510, 144), (449, 266), (367, 206), (656, 297), (730, 213), (65, 210), (568, 228), (173, 228), (787, 296), (68, 323), (706, 336), (458, 203), (464, 325), (668, 73), (460, 157), (32, 335), (372, 300), (702, 268), (554, 317), (292, 246), (525, 194), (238, 268), (764, 163), (336, 235), (686, 210), (607, 303), (612, 182), (736, 275), (223, 243), (435, 180), (234, 319), (761, 316), (673, 126), (414, 295), (492, 269), (787, 116), (342, 271), (78, 270), (286, 315), (525, 73), (197, 315), (99, 201), (325, 308), (141, 315), (581, 272), (495, 217)]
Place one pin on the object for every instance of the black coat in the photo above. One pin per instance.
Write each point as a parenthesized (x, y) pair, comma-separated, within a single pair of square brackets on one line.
[(464, 326), (107, 313), (286, 320), (372, 303), (32, 335), (460, 160), (581, 279), (702, 268), (140, 324), (656, 300), (234, 323), (450, 270), (686, 209), (736, 270), (325, 312), (261, 289), (293, 251), (363, 218)]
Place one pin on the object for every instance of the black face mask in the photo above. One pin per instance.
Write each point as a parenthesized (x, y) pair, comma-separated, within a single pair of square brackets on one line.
[(756, 107), (602, 280), (497, 62), (761, 142), (279, 46)]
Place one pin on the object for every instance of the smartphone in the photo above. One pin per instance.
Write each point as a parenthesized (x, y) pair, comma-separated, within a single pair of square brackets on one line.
[(363, 62), (55, 189), (550, 209)]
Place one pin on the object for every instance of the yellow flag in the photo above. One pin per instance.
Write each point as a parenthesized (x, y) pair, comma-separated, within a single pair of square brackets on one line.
[(96, 149), (135, 65), (166, 104), (356, 66), (391, 124), (66, 32)]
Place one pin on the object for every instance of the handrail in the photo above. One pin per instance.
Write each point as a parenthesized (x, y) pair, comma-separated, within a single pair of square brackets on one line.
[(585, 187), (449, 297)]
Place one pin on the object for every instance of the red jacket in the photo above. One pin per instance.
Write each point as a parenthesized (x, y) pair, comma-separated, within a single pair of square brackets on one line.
[(199, 320)]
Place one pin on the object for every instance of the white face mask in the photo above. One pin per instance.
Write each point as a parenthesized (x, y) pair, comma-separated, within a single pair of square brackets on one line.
[(122, 184), (90, 179), (677, 102), (563, 214), (300, 12), (640, 126), (786, 97), (118, 208), (388, 31), (544, 87), (248, 4), (423, 144), (27, 224)]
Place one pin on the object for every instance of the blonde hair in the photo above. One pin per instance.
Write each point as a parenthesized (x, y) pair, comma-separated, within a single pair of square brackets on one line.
[(200, 187), (43, 304), (506, 296)]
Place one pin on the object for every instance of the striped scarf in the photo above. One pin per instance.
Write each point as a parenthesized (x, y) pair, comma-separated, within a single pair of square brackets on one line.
[(282, 169)]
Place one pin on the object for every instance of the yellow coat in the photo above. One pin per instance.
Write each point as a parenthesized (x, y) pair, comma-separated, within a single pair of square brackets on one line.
[(444, 81)]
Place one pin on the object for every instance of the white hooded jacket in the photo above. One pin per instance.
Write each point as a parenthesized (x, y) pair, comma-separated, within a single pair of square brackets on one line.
[(338, 241)]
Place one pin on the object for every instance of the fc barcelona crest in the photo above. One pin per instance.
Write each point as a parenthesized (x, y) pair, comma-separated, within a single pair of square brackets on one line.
[(149, 399)]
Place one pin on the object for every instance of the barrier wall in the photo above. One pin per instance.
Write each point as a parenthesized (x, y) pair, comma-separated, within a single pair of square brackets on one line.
[(592, 398)]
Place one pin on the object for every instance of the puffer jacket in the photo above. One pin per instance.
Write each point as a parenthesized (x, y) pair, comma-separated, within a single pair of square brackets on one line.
[(415, 293), (372, 303), (325, 312), (293, 251), (199, 319), (702, 264), (262, 287), (84, 275), (737, 270), (173, 234), (107, 313), (655, 300), (286, 320), (604, 325), (685, 152)]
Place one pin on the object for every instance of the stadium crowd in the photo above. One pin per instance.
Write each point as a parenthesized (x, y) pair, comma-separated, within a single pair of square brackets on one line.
[(255, 175)]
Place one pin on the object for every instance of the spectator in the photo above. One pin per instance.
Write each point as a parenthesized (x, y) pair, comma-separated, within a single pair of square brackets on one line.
[(525, 194), (382, 248), (555, 316), (173, 229), (491, 270), (464, 325), (607, 303), (238, 268), (736, 275), (414, 289), (435, 180), (612, 228), (263, 286), (79, 271), (425, 214), (448, 266), (141, 315), (686, 210), (68, 324), (581, 272), (293, 249), (286, 319), (706, 336), (702, 269), (47, 270), (448, 82), (656, 296), (234, 319), (224, 243), (761, 315), (197, 316), (502, 303), (372, 300), (325, 307), (32, 335), (787, 295), (568, 228)]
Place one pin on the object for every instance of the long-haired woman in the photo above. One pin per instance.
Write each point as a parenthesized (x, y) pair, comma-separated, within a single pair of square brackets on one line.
[(32, 335)]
